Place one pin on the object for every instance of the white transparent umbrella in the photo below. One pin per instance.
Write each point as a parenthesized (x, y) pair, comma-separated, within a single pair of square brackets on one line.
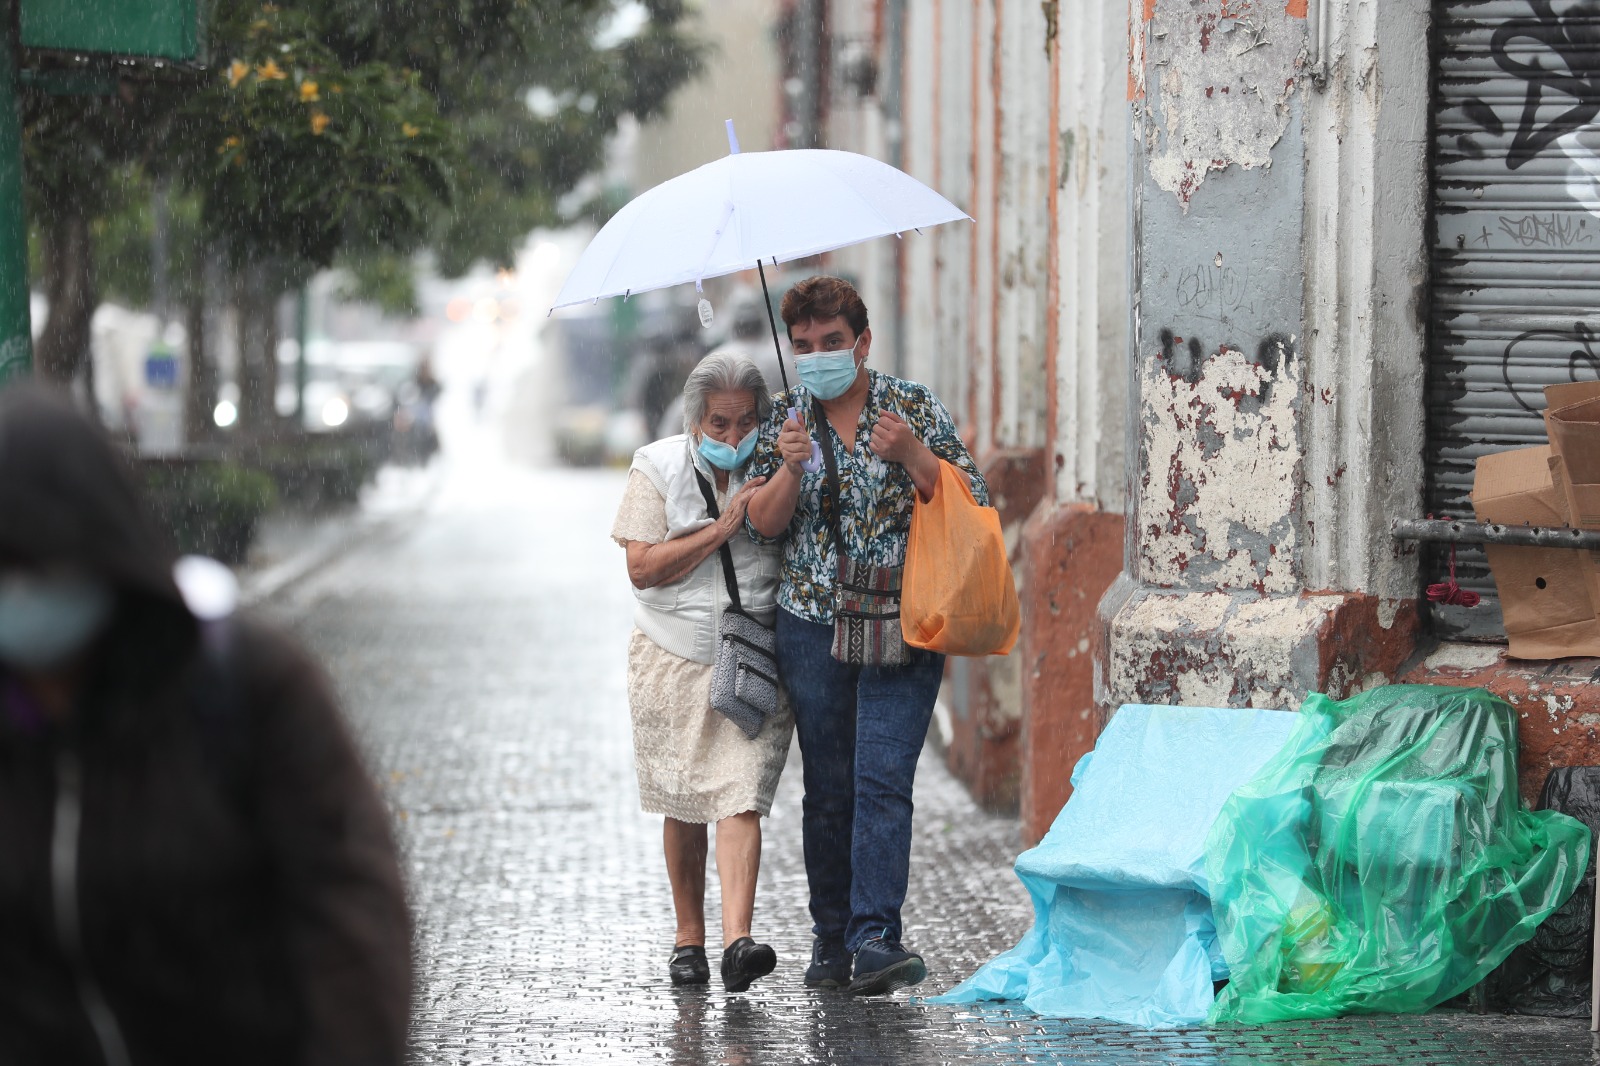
[(746, 208)]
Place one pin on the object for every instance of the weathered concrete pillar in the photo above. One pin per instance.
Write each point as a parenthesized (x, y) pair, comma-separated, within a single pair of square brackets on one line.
[(1214, 606)]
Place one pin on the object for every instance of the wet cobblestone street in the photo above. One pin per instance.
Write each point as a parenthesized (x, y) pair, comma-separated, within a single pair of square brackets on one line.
[(480, 651)]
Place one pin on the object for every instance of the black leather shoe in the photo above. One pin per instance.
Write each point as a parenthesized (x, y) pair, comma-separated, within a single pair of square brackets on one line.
[(830, 964), (689, 965), (744, 961)]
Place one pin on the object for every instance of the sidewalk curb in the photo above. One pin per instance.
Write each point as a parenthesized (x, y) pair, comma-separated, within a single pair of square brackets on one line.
[(274, 580), (361, 530)]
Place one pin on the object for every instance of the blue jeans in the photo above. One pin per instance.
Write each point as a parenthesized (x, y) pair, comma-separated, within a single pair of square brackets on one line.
[(861, 731)]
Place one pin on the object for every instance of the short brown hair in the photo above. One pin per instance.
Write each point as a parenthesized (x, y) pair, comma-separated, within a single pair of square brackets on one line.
[(823, 297)]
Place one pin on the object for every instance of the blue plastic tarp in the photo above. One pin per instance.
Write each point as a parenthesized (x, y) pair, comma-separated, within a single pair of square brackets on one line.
[(1123, 926)]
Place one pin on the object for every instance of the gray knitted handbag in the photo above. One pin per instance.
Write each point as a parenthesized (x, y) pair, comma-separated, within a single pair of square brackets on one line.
[(744, 677)]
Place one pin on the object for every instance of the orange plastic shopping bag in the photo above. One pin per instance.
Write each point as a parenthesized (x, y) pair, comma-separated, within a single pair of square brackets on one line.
[(957, 595)]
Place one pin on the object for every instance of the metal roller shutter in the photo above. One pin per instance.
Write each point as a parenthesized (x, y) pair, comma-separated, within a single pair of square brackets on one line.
[(1516, 246)]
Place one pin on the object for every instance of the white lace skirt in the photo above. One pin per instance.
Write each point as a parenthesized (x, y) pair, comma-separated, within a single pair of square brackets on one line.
[(695, 765)]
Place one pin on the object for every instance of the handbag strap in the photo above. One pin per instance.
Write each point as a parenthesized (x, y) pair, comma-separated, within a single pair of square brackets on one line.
[(820, 417), (727, 553)]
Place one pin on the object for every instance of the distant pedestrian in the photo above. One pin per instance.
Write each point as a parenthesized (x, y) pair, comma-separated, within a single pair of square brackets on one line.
[(193, 866), (752, 337), (696, 766), (862, 699)]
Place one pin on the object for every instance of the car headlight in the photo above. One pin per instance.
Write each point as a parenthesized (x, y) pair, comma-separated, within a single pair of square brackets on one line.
[(334, 412), (225, 415)]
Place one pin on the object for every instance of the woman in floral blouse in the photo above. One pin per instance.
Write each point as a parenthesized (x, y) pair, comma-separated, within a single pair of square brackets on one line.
[(861, 727)]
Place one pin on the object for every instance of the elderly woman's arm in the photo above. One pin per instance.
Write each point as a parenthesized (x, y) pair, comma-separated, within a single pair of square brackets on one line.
[(650, 565)]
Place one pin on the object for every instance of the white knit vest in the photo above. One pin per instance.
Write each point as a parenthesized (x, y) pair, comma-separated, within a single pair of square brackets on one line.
[(682, 617)]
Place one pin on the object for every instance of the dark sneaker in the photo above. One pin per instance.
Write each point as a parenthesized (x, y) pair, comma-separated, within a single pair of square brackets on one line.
[(689, 965), (744, 961), (830, 964), (883, 966)]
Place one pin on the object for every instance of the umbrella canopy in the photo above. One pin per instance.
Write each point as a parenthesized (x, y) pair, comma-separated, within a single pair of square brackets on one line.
[(731, 214)]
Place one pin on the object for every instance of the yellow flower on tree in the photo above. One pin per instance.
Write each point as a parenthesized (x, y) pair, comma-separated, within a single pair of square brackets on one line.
[(236, 72), (270, 71), (409, 130), (231, 142), (308, 92), (319, 122)]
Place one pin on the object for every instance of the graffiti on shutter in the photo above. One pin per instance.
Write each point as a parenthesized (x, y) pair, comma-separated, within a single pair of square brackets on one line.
[(1516, 246)]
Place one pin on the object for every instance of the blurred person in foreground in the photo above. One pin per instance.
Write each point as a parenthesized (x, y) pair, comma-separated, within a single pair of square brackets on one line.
[(196, 868), (862, 725), (696, 766)]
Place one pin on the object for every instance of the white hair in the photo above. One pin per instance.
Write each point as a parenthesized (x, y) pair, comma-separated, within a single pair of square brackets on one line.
[(723, 372)]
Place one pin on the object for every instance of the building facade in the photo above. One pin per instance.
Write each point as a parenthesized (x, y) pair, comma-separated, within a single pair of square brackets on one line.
[(1249, 281)]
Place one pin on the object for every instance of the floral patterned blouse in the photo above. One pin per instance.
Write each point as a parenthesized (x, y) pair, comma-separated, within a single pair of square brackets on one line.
[(878, 493)]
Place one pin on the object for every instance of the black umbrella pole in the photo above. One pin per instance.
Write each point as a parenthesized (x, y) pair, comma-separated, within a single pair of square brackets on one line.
[(766, 298)]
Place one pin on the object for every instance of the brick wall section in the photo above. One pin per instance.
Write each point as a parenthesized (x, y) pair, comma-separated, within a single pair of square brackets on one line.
[(1357, 650), (1071, 555), (1558, 703)]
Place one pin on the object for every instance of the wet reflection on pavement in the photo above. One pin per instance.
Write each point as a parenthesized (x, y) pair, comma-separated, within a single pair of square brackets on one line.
[(480, 648)]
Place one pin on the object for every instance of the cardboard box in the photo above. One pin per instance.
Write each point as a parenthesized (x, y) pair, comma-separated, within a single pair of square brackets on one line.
[(1550, 597), (1547, 595), (1572, 418)]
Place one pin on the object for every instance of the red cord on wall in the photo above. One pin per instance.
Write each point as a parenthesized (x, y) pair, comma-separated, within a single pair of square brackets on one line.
[(1450, 592)]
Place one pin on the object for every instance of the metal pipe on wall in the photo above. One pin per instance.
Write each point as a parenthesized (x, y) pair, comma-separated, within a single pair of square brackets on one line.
[(1316, 43), (1453, 531)]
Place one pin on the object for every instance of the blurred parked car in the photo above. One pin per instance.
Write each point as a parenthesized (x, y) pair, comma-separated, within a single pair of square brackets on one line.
[(347, 382), (583, 349)]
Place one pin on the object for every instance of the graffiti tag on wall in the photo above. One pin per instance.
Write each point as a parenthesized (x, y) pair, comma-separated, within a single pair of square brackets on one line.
[(1555, 56), (1214, 290), (1550, 230), (1582, 356)]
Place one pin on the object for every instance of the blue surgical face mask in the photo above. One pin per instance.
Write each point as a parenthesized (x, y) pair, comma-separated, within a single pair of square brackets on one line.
[(828, 375), (46, 620), (723, 457)]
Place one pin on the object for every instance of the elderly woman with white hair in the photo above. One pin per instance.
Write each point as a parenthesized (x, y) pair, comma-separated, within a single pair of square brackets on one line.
[(695, 765)]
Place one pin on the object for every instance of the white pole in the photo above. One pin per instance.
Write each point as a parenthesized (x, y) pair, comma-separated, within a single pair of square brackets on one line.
[(1594, 972)]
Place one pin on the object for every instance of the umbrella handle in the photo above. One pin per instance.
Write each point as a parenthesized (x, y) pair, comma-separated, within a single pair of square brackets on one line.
[(813, 464)]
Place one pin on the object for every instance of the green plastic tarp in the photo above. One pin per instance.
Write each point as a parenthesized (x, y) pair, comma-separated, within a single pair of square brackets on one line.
[(1383, 861)]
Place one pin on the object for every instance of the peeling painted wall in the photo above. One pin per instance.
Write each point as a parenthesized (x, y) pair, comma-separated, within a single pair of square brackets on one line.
[(1022, 247), (944, 118), (1210, 609), (1366, 275), (1212, 649), (1276, 356), (1217, 500), (1091, 195), (1222, 72), (1220, 287)]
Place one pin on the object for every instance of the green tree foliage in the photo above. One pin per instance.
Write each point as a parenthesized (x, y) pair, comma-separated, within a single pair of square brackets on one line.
[(532, 90), (297, 154), (362, 129)]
